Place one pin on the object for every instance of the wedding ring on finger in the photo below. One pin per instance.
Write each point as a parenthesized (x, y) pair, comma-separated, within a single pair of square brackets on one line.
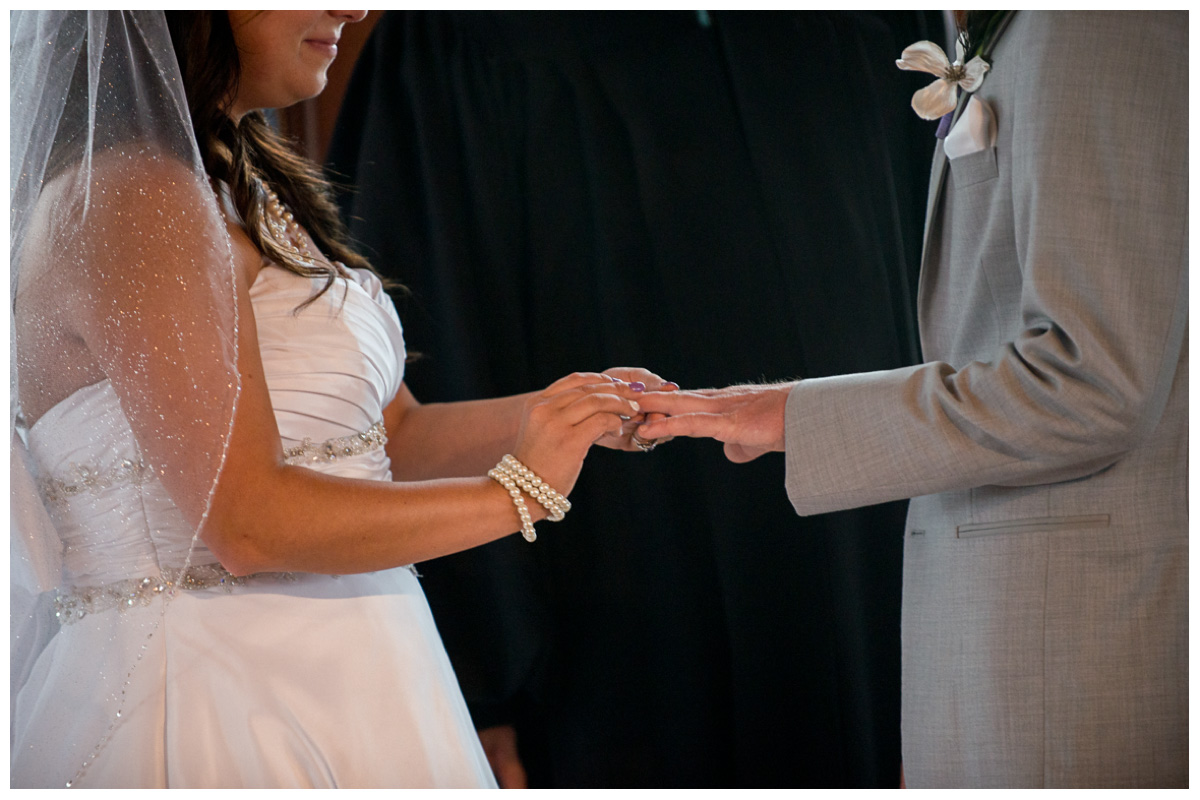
[(645, 445)]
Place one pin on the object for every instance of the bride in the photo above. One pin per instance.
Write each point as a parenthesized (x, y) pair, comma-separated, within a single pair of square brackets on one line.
[(219, 479)]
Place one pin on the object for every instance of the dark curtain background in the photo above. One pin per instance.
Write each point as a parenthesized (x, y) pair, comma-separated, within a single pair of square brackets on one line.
[(721, 198)]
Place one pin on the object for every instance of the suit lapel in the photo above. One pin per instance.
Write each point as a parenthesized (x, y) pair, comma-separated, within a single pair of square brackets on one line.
[(937, 178)]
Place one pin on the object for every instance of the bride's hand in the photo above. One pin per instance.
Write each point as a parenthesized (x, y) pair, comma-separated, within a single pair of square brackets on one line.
[(560, 424), (648, 382)]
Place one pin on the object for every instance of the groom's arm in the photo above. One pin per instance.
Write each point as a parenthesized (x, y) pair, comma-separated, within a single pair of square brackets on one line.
[(1101, 240)]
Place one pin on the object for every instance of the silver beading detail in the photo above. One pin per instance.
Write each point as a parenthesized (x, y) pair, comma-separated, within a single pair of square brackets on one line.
[(80, 478), (122, 595), (308, 452)]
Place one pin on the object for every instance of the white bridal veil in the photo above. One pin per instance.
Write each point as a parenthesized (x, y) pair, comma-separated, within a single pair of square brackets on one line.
[(121, 277)]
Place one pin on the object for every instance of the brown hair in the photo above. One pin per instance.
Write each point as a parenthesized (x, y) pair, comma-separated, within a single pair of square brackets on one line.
[(248, 156)]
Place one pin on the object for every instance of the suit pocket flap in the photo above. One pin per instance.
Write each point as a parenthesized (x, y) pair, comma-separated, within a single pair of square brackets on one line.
[(1032, 525), (974, 168)]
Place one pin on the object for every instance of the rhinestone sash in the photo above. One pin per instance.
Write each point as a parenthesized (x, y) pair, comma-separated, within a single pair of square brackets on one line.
[(308, 452), (77, 479), (80, 478), (122, 595)]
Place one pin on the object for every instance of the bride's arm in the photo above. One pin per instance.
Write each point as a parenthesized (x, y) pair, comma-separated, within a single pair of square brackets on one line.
[(430, 440), (264, 515), (269, 516), (449, 439)]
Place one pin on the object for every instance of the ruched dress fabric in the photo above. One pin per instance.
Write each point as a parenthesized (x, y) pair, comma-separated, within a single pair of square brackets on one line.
[(282, 681)]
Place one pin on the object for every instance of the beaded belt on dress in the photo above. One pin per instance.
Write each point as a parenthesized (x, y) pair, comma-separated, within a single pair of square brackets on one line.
[(309, 452), (122, 595), (77, 479)]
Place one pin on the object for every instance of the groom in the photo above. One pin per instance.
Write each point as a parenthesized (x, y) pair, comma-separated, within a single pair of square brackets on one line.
[(1045, 440)]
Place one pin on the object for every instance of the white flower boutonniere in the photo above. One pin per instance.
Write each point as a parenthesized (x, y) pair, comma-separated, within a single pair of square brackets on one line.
[(939, 98)]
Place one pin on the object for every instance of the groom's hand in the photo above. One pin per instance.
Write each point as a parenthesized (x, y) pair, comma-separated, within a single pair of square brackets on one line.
[(748, 419)]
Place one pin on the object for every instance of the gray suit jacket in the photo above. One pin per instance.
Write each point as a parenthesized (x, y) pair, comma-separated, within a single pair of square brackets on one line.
[(1045, 439)]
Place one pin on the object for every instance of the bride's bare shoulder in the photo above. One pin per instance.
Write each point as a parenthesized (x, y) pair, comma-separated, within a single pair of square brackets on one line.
[(137, 204), (148, 175), (121, 186)]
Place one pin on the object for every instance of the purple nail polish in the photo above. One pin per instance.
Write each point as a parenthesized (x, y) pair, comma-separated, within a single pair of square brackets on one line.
[(638, 386), (670, 383)]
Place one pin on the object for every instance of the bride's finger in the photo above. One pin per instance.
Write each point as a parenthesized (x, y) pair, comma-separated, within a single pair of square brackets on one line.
[(628, 392), (651, 380), (569, 408), (578, 379), (600, 426), (577, 407)]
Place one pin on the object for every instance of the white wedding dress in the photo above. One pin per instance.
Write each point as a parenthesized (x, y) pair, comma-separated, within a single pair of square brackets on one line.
[(274, 681)]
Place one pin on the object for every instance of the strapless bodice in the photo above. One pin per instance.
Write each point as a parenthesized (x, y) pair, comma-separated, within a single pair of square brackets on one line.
[(331, 367)]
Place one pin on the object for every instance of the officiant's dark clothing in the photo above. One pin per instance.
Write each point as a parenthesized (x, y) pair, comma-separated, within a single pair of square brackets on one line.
[(716, 197)]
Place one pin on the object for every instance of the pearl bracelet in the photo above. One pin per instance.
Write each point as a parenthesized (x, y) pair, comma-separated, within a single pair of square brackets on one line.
[(522, 511), (515, 477), (535, 487)]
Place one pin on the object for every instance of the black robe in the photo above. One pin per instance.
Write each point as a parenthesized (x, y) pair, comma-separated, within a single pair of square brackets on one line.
[(720, 198)]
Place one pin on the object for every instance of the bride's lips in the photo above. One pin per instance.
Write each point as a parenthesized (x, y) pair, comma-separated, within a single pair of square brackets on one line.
[(327, 47)]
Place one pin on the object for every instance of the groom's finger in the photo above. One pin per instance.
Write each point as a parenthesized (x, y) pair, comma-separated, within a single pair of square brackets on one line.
[(740, 454), (676, 403), (696, 425)]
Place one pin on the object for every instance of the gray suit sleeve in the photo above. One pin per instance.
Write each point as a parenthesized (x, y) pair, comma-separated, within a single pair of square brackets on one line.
[(1099, 197)]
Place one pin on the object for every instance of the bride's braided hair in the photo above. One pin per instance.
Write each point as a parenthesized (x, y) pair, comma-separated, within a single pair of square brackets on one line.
[(250, 155)]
